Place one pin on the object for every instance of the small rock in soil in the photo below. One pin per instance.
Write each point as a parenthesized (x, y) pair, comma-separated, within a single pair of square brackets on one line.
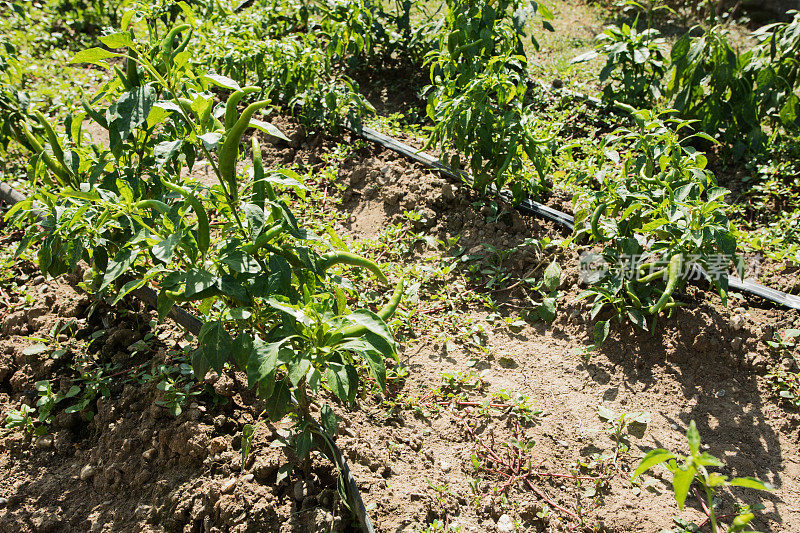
[(218, 445), (301, 489), (505, 524), (224, 386), (247, 478), (737, 322), (150, 454), (45, 442), (87, 472), (228, 486), (736, 343)]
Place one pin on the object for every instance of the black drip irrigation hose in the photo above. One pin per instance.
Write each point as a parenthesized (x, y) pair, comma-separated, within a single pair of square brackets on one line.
[(192, 324), (530, 207)]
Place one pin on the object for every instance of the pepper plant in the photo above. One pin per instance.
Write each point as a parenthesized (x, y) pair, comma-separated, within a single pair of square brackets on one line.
[(232, 248), (694, 468), (477, 96), (635, 63), (656, 212)]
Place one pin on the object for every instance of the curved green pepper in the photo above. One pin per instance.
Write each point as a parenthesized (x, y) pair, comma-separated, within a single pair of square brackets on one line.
[(203, 228), (346, 258)]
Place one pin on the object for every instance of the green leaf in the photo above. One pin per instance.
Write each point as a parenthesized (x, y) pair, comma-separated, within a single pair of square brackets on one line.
[(377, 368), (330, 423), (118, 266), (601, 329), (164, 250), (217, 344), (129, 287), (298, 368), (303, 444), (117, 40), (211, 140), (693, 436), (36, 349), (552, 276), (241, 349), (652, 458), (268, 128), (167, 150), (373, 323), (131, 111), (750, 483), (605, 413), (164, 304), (93, 56), (681, 481), (279, 401), (240, 262), (338, 381), (255, 219), (263, 360), (222, 81), (198, 280), (587, 56), (200, 365)]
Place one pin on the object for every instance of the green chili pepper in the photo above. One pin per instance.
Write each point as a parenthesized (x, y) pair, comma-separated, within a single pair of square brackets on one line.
[(233, 101), (265, 238), (652, 276), (123, 78), (346, 258), (259, 191), (208, 292), (168, 41), (181, 47), (97, 117), (385, 313), (673, 273), (635, 299), (132, 69), (161, 207), (595, 221), (51, 137), (203, 229), (230, 148), (61, 174)]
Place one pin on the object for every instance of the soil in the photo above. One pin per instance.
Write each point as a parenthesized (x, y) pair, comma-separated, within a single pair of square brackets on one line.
[(137, 467)]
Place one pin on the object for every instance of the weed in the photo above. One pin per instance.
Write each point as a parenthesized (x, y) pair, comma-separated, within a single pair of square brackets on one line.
[(693, 468)]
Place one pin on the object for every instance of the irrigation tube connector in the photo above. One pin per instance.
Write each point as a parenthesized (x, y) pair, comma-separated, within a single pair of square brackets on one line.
[(530, 207), (192, 324)]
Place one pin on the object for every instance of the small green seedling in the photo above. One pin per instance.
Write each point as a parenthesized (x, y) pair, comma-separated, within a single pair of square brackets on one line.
[(693, 468)]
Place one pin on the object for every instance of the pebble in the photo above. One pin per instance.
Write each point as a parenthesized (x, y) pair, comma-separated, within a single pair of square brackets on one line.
[(505, 524), (736, 343), (737, 322), (227, 486), (300, 490), (720, 393), (149, 455), (445, 466), (45, 442), (674, 427), (87, 472), (248, 477)]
